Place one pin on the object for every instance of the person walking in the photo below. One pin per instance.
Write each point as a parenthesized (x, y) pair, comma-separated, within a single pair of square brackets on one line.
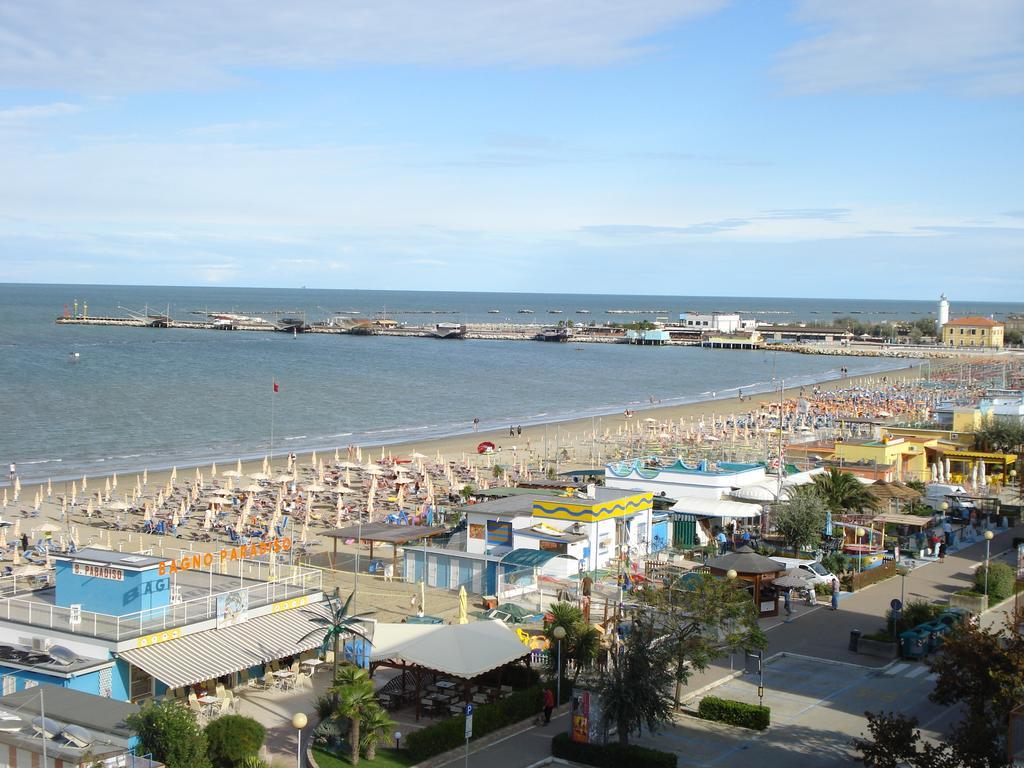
[(835, 594), (787, 601), (549, 705), (13, 472)]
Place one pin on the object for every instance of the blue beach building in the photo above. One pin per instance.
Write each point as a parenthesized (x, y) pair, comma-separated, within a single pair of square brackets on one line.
[(132, 627)]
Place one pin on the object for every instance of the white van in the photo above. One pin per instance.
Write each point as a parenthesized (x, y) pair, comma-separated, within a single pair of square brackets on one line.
[(818, 573)]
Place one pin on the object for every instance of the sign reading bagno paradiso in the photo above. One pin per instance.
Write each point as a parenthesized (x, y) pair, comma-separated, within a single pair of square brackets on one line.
[(97, 571), (241, 552)]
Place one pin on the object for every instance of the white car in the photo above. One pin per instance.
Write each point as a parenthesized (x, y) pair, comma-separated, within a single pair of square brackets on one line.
[(817, 573)]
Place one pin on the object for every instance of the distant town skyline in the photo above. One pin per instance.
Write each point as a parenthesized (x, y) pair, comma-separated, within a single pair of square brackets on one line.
[(687, 147)]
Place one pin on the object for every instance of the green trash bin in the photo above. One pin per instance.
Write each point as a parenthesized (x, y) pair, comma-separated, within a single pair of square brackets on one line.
[(953, 617), (937, 630), (914, 643)]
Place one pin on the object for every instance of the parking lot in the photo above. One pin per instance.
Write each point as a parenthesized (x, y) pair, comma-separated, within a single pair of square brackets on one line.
[(817, 709)]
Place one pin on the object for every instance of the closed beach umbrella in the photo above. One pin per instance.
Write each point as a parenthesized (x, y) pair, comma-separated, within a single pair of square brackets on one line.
[(106, 485), (49, 489), (113, 482), (463, 605), (266, 465), (5, 497), (370, 499), (145, 477), (312, 459), (17, 487), (88, 508), (85, 483), (174, 473)]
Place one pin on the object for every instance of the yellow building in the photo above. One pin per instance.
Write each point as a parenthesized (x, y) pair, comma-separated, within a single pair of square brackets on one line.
[(973, 332), (907, 456)]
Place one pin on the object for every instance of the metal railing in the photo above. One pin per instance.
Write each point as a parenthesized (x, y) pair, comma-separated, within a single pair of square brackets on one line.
[(295, 581)]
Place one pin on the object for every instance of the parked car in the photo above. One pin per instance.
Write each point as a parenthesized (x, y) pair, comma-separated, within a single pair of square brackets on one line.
[(818, 573)]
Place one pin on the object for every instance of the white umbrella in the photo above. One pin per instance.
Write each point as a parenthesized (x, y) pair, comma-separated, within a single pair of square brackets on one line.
[(213, 470), (315, 488), (259, 476), (281, 478), (48, 528), (252, 488), (232, 473), (221, 492), (49, 489), (118, 506), (312, 459)]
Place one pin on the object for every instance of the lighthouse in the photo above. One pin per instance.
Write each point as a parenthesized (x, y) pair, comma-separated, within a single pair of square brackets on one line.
[(943, 311)]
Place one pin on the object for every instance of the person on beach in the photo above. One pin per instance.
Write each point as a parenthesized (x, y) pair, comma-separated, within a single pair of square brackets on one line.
[(476, 424), (14, 471), (519, 430)]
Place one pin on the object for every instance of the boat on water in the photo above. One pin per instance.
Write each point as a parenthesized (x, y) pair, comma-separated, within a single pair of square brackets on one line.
[(582, 311), (74, 357), (525, 311), (554, 334), (493, 311), (449, 331), (554, 311), (291, 325)]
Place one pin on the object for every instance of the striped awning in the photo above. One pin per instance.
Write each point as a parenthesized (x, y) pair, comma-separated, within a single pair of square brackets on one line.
[(205, 655)]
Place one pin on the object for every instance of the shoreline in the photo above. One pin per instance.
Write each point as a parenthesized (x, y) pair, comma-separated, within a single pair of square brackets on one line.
[(608, 416), (546, 435)]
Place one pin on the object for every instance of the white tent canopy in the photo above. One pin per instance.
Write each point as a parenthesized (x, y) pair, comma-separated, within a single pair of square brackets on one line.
[(714, 508), (459, 650), (759, 492)]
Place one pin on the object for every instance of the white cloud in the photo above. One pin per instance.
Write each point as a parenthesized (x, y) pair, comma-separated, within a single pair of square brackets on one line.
[(893, 45), (29, 113), (114, 45)]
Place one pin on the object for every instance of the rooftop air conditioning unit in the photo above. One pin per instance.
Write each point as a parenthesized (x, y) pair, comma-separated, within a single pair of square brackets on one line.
[(40, 644)]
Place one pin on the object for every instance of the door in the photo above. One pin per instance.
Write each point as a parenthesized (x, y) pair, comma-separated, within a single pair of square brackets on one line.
[(442, 572)]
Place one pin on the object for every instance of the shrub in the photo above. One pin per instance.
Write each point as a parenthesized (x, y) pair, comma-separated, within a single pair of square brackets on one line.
[(915, 612), (734, 713), (231, 739), (329, 734), (610, 755), (169, 731), (450, 733), (1000, 581)]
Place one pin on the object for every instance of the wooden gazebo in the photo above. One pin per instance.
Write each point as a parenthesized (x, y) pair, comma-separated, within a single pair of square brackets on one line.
[(757, 570)]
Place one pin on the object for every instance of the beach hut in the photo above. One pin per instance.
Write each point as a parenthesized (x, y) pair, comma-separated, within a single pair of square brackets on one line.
[(757, 571)]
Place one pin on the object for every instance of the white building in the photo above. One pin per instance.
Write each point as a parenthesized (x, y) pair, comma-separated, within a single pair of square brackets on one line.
[(717, 322), (677, 480)]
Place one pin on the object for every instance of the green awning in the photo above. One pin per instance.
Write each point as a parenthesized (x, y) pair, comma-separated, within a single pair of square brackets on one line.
[(528, 558)]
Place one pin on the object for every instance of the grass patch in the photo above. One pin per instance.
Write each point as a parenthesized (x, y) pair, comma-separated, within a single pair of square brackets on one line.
[(386, 758)]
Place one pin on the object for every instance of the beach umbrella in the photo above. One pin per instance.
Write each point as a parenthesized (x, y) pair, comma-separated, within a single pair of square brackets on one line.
[(17, 487), (315, 488), (370, 498), (400, 496), (5, 497), (282, 478), (88, 508), (312, 459), (463, 605), (232, 473), (208, 520), (981, 474), (252, 488), (118, 506), (106, 485), (266, 465), (49, 489), (3, 537), (174, 473), (37, 500), (113, 481), (85, 483), (213, 469), (336, 456), (259, 476)]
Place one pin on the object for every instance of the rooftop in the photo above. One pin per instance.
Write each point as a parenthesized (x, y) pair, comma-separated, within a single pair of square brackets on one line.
[(110, 557), (976, 322), (66, 705), (194, 600)]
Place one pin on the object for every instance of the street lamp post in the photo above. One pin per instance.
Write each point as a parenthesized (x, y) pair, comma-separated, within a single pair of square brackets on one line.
[(559, 634), (988, 543), (860, 549), (298, 723)]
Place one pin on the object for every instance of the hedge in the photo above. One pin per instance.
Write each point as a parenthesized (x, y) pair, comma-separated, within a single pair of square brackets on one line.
[(1000, 581), (610, 755), (451, 733), (734, 713)]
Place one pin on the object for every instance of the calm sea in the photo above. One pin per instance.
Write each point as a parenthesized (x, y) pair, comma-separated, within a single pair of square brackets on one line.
[(141, 397)]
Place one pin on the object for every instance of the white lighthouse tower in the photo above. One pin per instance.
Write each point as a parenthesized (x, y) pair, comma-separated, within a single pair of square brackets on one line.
[(943, 311)]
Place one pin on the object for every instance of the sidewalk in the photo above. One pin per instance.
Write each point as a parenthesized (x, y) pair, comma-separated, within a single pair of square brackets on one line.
[(824, 633)]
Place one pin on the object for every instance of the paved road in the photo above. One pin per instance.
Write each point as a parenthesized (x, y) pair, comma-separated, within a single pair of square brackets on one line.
[(821, 709)]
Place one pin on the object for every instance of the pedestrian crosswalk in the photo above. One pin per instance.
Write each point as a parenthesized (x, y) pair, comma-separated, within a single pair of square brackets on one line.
[(904, 669)]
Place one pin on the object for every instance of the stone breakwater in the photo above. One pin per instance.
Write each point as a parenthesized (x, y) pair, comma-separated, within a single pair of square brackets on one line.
[(896, 352)]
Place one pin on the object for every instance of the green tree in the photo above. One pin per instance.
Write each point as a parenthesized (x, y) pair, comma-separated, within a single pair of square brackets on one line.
[(171, 734), (895, 742), (635, 689), (231, 739), (843, 492), (336, 627), (1002, 433), (356, 698), (377, 728), (580, 644), (801, 520), (705, 618)]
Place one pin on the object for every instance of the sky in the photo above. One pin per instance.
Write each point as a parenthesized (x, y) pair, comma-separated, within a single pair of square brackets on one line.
[(688, 147)]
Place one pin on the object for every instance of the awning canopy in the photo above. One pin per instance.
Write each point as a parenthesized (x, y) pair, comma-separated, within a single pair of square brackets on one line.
[(913, 521), (459, 650), (693, 505), (216, 652), (530, 558), (384, 532)]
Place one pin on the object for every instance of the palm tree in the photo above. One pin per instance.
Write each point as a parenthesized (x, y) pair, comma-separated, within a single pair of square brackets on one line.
[(843, 492), (336, 626), (580, 644), (377, 729), (356, 697), (635, 689)]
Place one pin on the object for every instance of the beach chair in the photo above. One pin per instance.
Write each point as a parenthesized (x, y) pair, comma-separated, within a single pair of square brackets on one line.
[(232, 700), (295, 666), (222, 707), (219, 691)]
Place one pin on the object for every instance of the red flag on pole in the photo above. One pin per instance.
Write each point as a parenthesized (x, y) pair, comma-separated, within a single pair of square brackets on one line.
[(276, 388)]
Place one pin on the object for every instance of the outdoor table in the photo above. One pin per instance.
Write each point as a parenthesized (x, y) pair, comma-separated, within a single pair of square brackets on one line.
[(284, 676), (447, 685), (208, 701), (313, 664)]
